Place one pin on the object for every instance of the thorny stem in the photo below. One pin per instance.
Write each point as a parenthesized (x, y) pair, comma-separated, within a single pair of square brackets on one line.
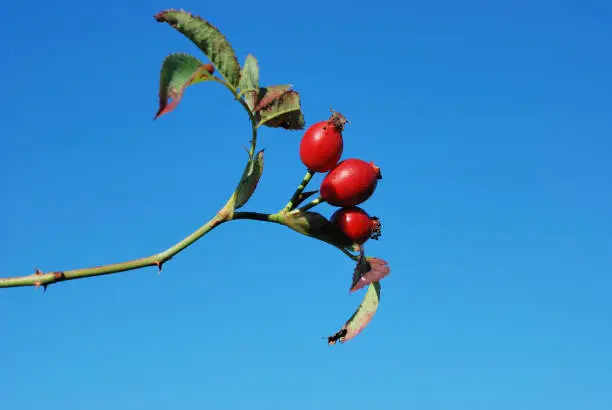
[(224, 215), (298, 191), (45, 279)]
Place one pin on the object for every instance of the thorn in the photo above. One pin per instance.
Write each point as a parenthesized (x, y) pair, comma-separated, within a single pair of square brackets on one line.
[(37, 271), (45, 288), (159, 266)]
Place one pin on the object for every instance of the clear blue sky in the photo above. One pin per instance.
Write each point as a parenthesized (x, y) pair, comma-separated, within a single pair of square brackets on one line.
[(491, 122)]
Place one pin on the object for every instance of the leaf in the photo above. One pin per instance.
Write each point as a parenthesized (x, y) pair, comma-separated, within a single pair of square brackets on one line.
[(368, 270), (317, 226), (208, 39), (284, 112), (361, 318), (269, 94), (249, 81), (179, 70), (250, 177)]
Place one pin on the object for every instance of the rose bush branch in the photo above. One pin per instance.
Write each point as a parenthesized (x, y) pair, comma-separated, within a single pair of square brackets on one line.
[(44, 279), (39, 278), (349, 183)]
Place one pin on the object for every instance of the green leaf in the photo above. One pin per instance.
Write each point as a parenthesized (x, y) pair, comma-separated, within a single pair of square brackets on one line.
[(284, 112), (268, 94), (362, 316), (250, 177), (249, 81), (208, 38), (179, 70)]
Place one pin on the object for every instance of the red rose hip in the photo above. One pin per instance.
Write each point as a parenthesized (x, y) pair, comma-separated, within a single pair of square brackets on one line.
[(321, 146), (356, 224), (350, 183)]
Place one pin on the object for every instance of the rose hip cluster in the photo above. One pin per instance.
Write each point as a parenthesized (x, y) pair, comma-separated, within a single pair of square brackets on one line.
[(347, 184)]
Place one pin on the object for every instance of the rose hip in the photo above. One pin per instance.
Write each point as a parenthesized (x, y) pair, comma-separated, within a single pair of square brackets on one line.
[(322, 144), (350, 183), (356, 224)]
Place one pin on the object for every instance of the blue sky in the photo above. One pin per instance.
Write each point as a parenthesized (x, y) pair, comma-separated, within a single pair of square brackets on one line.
[(491, 124)]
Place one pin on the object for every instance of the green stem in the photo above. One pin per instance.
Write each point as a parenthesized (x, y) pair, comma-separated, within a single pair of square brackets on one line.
[(347, 253), (298, 191), (258, 216), (311, 204), (44, 279), (247, 109)]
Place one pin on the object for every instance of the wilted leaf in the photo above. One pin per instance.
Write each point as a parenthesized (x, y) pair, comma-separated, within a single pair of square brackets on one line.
[(208, 39), (269, 94), (360, 319), (284, 112), (179, 71), (249, 180), (249, 81), (368, 270)]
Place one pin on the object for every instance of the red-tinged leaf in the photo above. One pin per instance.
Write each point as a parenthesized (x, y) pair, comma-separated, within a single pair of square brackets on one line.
[(208, 39), (284, 112), (361, 318), (268, 94), (179, 71), (368, 270)]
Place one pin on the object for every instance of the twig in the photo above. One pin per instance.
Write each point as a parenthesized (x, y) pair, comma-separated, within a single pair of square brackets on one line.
[(45, 279), (311, 204), (298, 191)]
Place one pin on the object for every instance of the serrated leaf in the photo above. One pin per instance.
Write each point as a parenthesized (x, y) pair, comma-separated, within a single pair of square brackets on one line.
[(361, 318), (208, 39), (268, 94), (250, 177), (249, 81), (283, 112), (179, 70)]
